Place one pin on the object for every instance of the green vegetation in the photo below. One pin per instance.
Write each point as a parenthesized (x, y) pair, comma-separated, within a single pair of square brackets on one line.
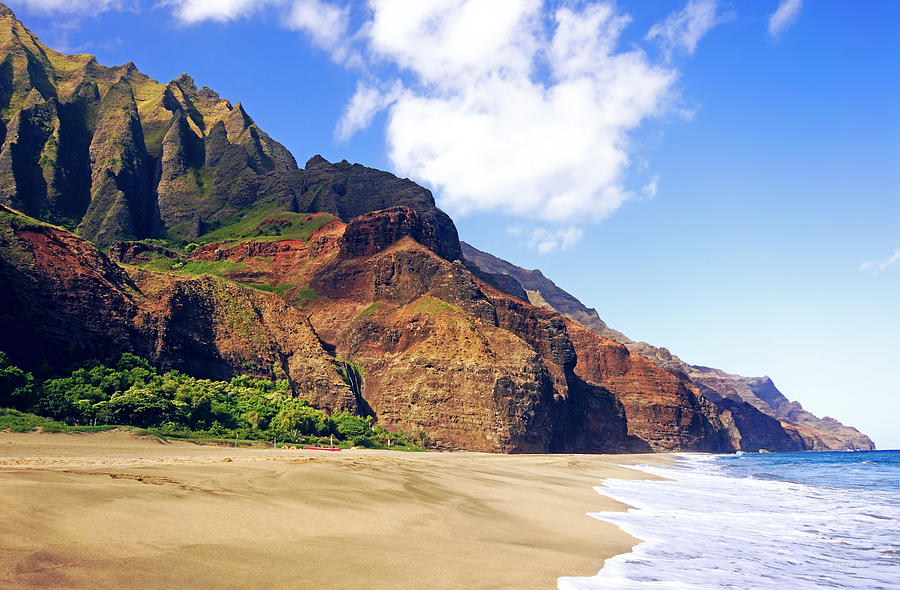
[(369, 311), (433, 305), (304, 295), (267, 224), (160, 263), (264, 224), (351, 372), (131, 392), (17, 421), (219, 268)]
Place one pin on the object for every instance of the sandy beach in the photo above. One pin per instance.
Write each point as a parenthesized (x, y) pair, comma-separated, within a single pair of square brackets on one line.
[(114, 510)]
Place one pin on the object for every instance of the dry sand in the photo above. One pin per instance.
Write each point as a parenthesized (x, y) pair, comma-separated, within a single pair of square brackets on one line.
[(114, 510)]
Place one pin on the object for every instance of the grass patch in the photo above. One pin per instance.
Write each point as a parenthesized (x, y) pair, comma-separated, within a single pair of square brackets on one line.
[(304, 295), (433, 305), (369, 311), (17, 421), (219, 268), (158, 263), (267, 224)]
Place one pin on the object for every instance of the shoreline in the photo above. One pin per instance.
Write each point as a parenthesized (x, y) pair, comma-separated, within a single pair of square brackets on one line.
[(113, 509)]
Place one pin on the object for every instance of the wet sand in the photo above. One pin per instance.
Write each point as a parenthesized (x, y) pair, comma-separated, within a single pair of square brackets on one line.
[(114, 510)]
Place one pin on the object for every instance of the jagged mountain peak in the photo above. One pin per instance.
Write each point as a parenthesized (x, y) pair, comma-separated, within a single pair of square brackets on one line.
[(317, 161), (185, 81)]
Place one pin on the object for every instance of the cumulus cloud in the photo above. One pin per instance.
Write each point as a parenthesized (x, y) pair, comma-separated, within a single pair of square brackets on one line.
[(195, 11), (366, 102), (477, 122), (73, 6), (326, 24), (683, 29), (784, 16), (545, 240), (449, 41), (881, 264)]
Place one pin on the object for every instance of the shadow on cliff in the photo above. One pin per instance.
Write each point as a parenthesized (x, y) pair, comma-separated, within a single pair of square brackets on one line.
[(592, 420)]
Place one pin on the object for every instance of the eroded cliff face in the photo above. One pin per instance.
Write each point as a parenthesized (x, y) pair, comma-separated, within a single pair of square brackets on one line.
[(65, 301), (439, 351), (755, 414), (117, 155), (659, 408), (444, 353), (813, 433)]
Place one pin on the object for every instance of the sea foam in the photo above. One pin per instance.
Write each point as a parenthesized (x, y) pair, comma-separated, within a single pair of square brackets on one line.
[(757, 522)]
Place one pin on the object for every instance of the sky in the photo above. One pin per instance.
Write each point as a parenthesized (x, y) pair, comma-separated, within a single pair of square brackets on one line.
[(721, 178)]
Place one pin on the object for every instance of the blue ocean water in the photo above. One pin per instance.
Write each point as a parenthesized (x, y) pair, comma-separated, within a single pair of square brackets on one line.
[(798, 521)]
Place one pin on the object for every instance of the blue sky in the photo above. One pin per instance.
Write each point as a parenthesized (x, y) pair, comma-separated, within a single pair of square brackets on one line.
[(711, 177)]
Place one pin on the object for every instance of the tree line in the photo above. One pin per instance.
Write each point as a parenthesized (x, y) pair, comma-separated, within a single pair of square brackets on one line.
[(131, 392)]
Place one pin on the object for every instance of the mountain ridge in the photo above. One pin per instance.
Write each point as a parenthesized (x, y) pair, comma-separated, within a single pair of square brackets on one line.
[(760, 392), (132, 154)]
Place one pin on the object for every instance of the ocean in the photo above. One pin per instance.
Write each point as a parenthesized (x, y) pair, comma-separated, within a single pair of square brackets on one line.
[(792, 521)]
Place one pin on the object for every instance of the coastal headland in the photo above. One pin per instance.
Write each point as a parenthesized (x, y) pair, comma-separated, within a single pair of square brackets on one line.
[(114, 509)]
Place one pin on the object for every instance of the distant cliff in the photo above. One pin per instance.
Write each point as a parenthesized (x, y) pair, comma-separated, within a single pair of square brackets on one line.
[(728, 392)]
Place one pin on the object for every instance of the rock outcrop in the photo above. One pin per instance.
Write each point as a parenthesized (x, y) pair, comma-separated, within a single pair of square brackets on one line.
[(372, 232)]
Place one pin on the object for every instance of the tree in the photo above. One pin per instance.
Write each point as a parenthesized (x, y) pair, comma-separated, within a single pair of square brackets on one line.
[(17, 388)]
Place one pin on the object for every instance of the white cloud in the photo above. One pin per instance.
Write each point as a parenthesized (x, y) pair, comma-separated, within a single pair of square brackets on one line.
[(76, 7), (366, 102), (194, 11), (547, 241), (651, 188), (784, 16), (445, 41), (683, 29), (326, 24), (881, 264), (478, 125)]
